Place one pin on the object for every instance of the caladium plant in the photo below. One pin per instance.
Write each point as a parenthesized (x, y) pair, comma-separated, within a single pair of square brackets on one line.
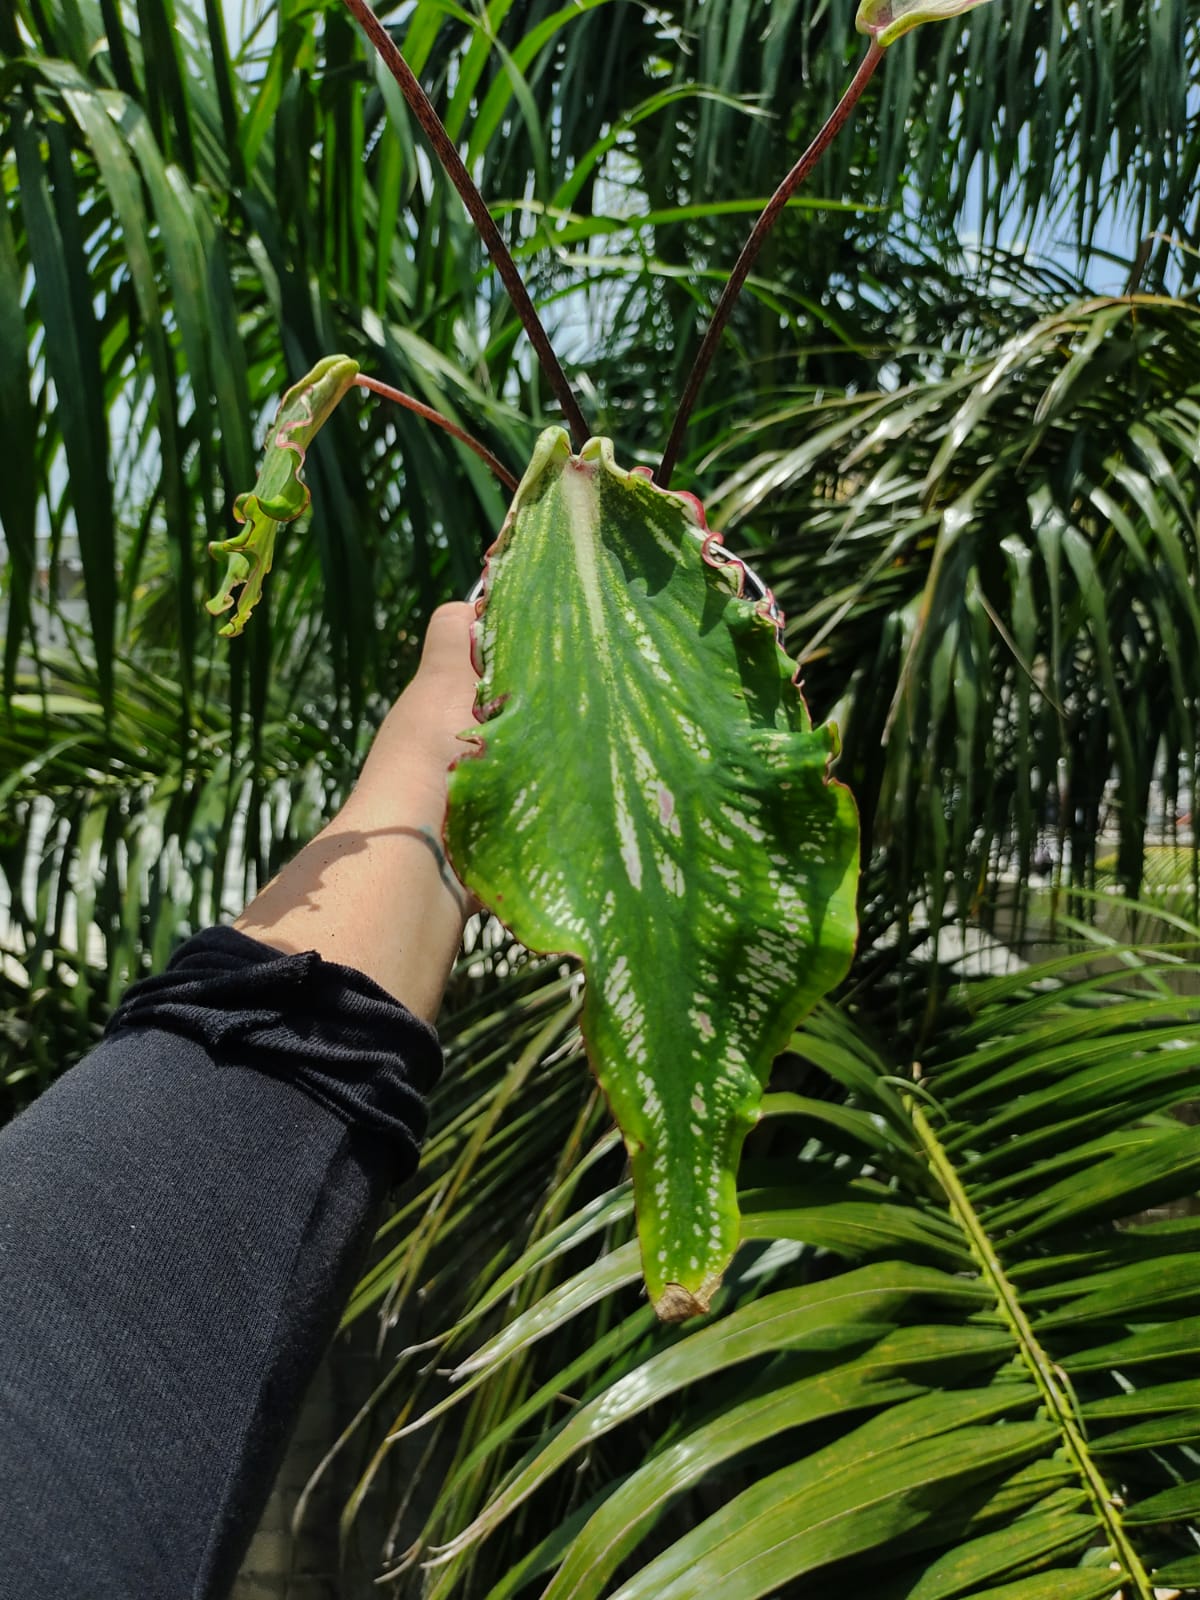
[(646, 791), (651, 796)]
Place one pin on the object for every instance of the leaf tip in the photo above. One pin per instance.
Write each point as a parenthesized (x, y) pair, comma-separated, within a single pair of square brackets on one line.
[(676, 1303)]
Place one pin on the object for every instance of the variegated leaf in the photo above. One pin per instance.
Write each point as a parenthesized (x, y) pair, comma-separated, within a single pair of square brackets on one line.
[(650, 795)]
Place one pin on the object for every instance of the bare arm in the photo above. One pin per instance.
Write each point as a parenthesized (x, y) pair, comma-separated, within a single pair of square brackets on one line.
[(183, 1214), (374, 889)]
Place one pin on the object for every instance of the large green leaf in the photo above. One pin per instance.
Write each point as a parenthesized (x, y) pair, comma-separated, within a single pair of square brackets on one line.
[(651, 796)]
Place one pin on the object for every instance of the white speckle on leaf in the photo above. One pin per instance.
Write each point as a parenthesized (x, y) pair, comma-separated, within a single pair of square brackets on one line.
[(696, 740), (744, 825), (626, 833), (671, 874), (649, 654), (650, 1099), (703, 1023)]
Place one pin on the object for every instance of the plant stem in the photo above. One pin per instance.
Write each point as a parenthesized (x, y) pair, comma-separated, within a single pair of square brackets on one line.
[(750, 250), (422, 108), (411, 403)]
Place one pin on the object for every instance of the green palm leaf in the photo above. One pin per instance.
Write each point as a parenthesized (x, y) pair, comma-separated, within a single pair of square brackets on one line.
[(990, 580), (861, 1419)]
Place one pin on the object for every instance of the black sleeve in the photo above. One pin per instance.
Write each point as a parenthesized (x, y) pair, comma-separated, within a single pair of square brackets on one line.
[(182, 1217)]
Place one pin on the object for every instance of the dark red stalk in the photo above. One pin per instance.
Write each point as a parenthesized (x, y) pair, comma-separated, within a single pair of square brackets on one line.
[(410, 403), (422, 108), (749, 255)]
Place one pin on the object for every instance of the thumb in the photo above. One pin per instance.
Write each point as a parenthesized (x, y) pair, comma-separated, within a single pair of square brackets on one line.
[(441, 695), (447, 648)]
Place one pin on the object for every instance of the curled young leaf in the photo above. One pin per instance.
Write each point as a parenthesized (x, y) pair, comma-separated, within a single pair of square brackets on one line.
[(887, 20), (280, 494), (650, 795)]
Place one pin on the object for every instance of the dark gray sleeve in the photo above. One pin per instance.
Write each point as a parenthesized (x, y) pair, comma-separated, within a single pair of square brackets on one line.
[(182, 1217)]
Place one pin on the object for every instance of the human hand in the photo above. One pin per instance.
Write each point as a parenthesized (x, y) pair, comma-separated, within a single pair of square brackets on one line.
[(404, 776), (374, 889)]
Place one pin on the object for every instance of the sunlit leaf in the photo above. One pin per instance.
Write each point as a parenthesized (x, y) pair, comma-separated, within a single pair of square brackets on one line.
[(651, 796)]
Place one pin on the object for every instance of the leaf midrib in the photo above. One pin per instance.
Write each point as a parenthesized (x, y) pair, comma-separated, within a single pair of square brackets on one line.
[(1036, 1358)]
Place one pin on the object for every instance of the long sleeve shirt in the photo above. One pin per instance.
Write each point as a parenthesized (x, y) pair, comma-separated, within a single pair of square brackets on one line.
[(182, 1217)]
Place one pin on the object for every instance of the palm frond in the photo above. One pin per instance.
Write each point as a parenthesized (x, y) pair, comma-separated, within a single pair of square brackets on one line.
[(953, 1354), (990, 576)]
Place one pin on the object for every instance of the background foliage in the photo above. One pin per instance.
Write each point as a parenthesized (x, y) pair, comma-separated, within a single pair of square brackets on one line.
[(972, 480)]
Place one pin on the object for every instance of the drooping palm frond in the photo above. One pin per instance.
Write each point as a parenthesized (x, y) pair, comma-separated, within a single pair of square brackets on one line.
[(118, 841), (990, 577), (247, 212), (955, 1356), (153, 305), (1028, 115), (201, 284)]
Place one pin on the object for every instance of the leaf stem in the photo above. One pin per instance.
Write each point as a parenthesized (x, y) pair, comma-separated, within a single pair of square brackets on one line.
[(411, 403), (758, 236), (447, 153), (1057, 1403)]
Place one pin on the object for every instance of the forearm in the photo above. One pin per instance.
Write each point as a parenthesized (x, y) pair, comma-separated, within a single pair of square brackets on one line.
[(374, 893), (374, 890)]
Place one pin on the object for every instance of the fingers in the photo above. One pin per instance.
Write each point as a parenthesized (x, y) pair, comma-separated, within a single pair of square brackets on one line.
[(445, 680), (447, 646), (439, 702)]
